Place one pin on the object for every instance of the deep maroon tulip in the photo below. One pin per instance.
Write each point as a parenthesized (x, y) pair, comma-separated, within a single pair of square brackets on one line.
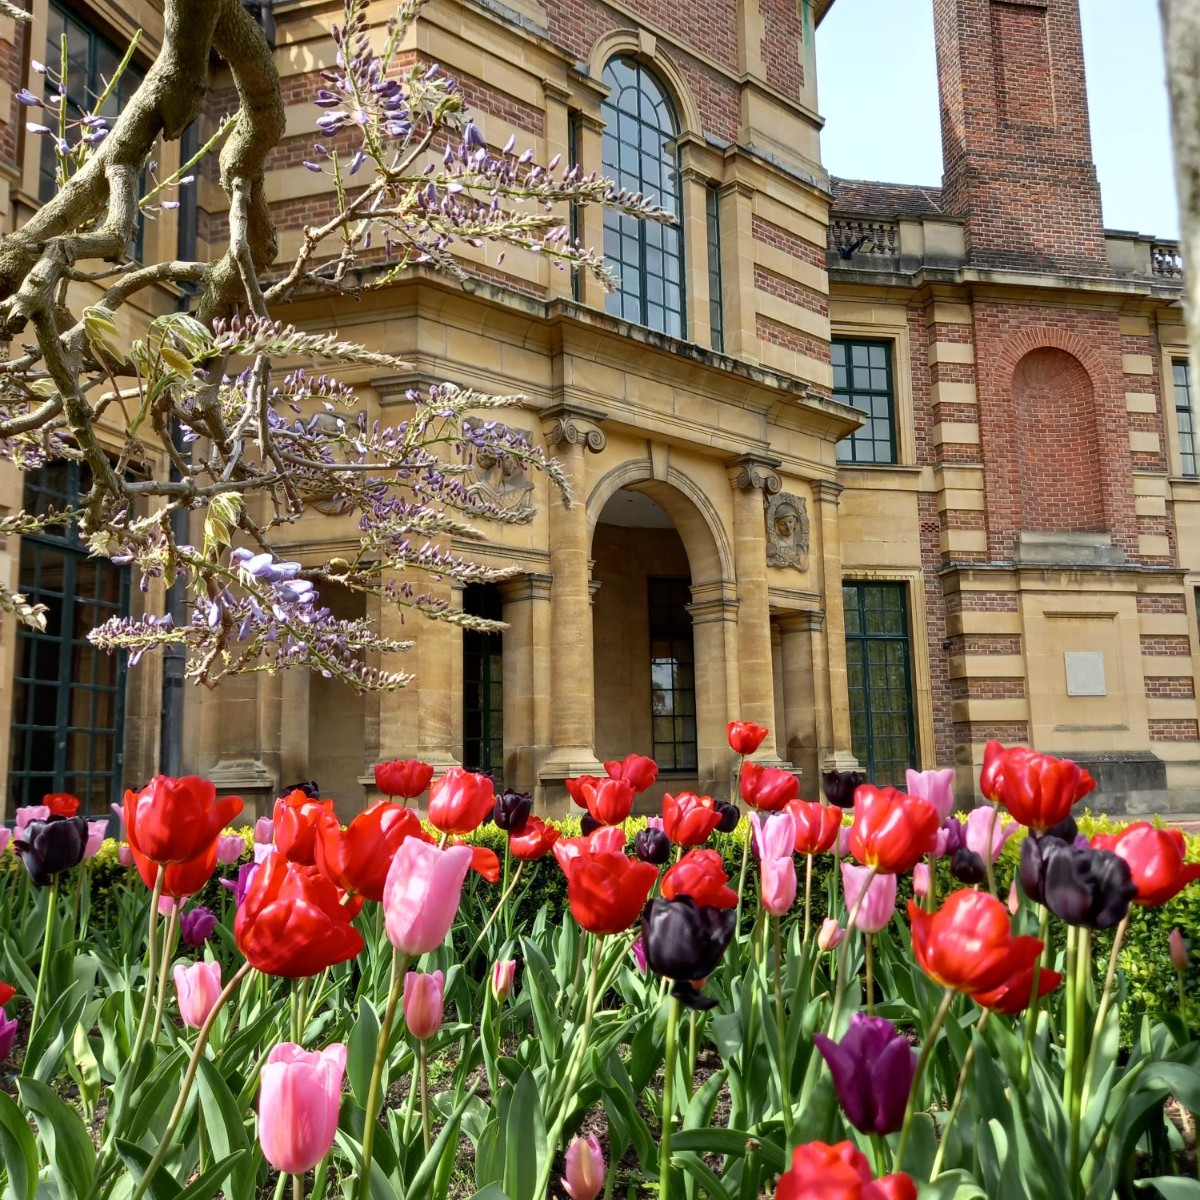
[(588, 824), (652, 846), (839, 786), (307, 786), (872, 1069), (51, 846), (512, 810), (1088, 887), (685, 943), (730, 816), (967, 867)]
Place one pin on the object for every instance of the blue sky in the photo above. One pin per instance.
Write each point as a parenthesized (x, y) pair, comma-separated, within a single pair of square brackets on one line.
[(877, 87)]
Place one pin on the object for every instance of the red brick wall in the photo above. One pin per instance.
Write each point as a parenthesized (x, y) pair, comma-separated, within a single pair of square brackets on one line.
[(11, 55), (1016, 142)]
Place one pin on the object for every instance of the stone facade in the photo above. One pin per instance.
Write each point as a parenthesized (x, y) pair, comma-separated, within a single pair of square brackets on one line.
[(1035, 506)]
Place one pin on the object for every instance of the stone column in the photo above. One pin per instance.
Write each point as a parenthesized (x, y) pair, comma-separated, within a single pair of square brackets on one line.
[(806, 730), (557, 117), (591, 216), (714, 610), (738, 253), (753, 478), (527, 678), (572, 432), (695, 250), (839, 755)]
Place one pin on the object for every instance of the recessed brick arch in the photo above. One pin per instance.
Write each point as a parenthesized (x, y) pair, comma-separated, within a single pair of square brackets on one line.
[(1055, 417)]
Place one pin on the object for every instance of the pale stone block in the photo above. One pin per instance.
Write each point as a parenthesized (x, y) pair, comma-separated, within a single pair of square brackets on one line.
[(961, 433), (1145, 441), (1135, 326), (1137, 364), (945, 313), (964, 540), (953, 393), (1141, 402), (1160, 709), (951, 352), (954, 499), (1150, 506), (1163, 625), (1146, 484)]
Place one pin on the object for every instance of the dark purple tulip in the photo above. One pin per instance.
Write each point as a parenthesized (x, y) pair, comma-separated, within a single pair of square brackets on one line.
[(685, 943), (839, 786), (1088, 887), (967, 867), (588, 824), (241, 885), (652, 846), (197, 924), (51, 846), (308, 787), (1064, 831), (730, 816), (955, 835), (8, 1035), (512, 810), (872, 1069)]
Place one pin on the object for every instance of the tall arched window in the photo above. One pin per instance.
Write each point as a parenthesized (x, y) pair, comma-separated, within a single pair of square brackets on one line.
[(640, 129)]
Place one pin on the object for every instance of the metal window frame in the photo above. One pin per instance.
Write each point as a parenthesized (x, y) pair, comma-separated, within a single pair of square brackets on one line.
[(1186, 437), (852, 442), (488, 650), (678, 632), (716, 298)]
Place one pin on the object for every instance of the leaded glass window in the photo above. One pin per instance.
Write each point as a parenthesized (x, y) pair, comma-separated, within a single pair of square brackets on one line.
[(862, 378), (672, 675), (640, 153), (483, 684), (1185, 420), (716, 305)]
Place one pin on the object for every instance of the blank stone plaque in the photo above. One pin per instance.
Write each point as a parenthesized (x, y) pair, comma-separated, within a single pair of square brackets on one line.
[(1085, 673)]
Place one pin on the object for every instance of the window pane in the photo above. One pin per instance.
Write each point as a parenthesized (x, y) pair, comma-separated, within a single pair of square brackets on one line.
[(862, 378)]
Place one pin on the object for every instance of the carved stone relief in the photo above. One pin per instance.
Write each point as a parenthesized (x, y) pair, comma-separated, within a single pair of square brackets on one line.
[(503, 479), (787, 531)]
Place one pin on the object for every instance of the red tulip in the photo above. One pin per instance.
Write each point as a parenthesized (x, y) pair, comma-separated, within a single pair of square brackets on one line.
[(173, 820), (292, 921), (1155, 858), (745, 737), (535, 840), (1037, 789), (181, 879), (297, 819), (688, 819), (7, 992), (823, 1172), (61, 804), (968, 944), (461, 801), (892, 832), (484, 861), (608, 839), (605, 889), (817, 825), (637, 770), (357, 858), (768, 788), (407, 777), (575, 788), (609, 801), (1016, 995), (701, 875)]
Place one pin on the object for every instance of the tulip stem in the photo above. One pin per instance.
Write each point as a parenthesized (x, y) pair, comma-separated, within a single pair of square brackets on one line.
[(988, 857), (501, 905), (808, 869), (1102, 1010), (840, 987), (297, 1187), (1077, 999), (411, 1106), (424, 1052), (47, 943), (185, 1088), (374, 1088), (1031, 1015), (785, 1063), (910, 1109), (690, 1077), (959, 1092), (505, 890), (668, 1104), (870, 940), (741, 888), (164, 967)]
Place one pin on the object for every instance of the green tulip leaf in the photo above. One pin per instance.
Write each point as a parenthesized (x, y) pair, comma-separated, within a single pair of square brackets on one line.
[(493, 1191), (360, 1050), (205, 1186), (69, 1149), (524, 1140), (163, 1185), (1171, 1188), (225, 1129), (699, 1171), (734, 1142), (19, 1150)]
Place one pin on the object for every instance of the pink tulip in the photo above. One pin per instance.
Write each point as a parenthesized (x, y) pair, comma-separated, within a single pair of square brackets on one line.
[(1178, 949), (921, 880), (264, 831), (583, 1178), (639, 955), (775, 837), (230, 848), (5, 837), (844, 842), (985, 829), (423, 1006), (31, 812), (1014, 899), (935, 786), (878, 904), (298, 1105), (654, 823), (198, 987), (504, 973), (831, 934), (125, 855), (97, 832), (421, 894), (167, 905)]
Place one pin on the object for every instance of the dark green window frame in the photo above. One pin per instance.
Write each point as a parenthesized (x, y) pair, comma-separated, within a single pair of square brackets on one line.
[(641, 154), (716, 300), (672, 675), (863, 378), (483, 684), (879, 680), (1185, 419), (574, 149), (68, 716)]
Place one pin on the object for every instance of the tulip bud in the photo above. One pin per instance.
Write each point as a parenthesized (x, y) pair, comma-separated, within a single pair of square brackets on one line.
[(230, 848), (97, 832), (935, 786), (967, 867), (50, 847), (298, 1104), (921, 880), (1178, 949), (730, 816), (512, 810), (5, 837), (872, 1068), (196, 925), (951, 836), (844, 841), (423, 1003), (308, 787), (839, 786), (588, 824), (125, 855), (198, 987), (8, 1035), (1014, 899), (422, 893), (745, 736), (876, 907), (264, 831), (583, 1178), (652, 846), (639, 955), (830, 935), (685, 942), (504, 973)]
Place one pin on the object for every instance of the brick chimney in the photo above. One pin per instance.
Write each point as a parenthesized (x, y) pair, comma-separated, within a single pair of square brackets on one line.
[(1016, 141)]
